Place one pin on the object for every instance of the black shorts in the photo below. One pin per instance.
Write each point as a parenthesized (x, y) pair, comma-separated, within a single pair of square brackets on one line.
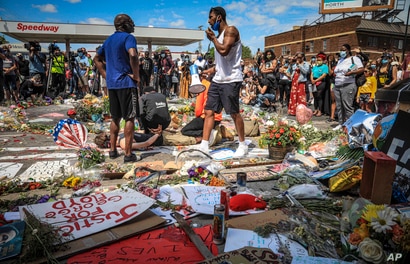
[(224, 95), (123, 103)]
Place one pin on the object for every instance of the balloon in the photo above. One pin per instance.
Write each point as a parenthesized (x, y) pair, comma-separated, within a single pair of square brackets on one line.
[(303, 114), (70, 133)]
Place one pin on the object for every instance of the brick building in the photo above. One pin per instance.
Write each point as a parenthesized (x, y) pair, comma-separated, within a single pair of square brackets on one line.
[(372, 36)]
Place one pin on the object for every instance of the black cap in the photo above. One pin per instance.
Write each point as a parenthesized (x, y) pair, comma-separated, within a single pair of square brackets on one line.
[(148, 89)]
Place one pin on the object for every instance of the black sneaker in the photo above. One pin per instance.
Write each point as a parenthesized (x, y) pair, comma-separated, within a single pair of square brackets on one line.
[(114, 154), (131, 158)]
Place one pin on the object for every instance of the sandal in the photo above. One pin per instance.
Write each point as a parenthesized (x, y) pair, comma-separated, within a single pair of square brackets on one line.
[(318, 114)]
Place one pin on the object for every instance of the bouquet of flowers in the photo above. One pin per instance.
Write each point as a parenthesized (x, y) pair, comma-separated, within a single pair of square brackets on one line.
[(280, 133), (380, 231), (88, 157), (199, 173)]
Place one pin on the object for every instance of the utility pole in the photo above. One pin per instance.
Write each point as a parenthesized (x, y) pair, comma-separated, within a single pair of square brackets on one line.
[(405, 35), (200, 42)]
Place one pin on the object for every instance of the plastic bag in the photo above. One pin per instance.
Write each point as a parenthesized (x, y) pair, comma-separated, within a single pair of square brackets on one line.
[(306, 191)]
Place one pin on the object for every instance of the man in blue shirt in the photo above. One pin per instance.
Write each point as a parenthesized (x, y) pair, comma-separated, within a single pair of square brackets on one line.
[(83, 67), (121, 72)]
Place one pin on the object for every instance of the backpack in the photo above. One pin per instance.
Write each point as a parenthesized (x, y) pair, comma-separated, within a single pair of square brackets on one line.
[(360, 78)]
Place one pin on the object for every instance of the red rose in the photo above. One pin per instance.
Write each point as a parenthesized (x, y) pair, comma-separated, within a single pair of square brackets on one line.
[(281, 130), (277, 135)]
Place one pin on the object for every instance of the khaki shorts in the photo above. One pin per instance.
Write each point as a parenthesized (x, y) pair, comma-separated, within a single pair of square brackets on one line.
[(83, 81)]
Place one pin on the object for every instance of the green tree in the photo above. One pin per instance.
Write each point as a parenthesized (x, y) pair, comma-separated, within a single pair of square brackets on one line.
[(159, 48), (3, 40), (246, 52)]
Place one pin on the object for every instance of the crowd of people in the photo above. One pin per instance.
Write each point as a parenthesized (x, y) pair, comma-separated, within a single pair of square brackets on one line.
[(139, 84), (329, 82)]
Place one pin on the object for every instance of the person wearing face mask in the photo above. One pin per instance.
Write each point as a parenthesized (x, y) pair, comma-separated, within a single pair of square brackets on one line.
[(227, 81), (166, 68), (9, 67), (386, 74), (121, 71), (345, 89), (318, 79), (83, 69), (299, 77), (200, 62), (58, 66), (267, 89), (185, 77)]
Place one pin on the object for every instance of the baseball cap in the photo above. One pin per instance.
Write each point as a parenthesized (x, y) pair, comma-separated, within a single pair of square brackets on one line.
[(19, 54)]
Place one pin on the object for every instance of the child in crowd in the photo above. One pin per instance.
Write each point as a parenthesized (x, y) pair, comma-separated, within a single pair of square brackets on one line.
[(366, 92)]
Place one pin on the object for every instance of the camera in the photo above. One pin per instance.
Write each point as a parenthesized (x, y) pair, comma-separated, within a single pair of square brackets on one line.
[(32, 44), (52, 47)]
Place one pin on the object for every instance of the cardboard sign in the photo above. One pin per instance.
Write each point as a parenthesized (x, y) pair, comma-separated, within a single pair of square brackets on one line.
[(249, 255), (82, 216), (238, 238), (203, 198), (397, 144), (249, 222), (170, 246)]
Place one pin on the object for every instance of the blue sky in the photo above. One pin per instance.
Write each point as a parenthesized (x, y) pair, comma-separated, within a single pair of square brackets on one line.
[(254, 19)]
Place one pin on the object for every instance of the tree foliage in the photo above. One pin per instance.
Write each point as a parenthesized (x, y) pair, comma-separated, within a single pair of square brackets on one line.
[(3, 40), (159, 48), (246, 52)]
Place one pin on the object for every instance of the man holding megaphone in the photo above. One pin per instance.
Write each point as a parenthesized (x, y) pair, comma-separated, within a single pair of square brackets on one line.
[(226, 84)]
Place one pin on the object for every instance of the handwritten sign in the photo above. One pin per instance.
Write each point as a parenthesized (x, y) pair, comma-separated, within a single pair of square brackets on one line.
[(82, 216), (238, 238), (203, 198), (170, 246), (9, 169)]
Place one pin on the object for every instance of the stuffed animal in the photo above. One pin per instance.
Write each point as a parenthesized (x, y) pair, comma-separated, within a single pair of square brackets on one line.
[(243, 202)]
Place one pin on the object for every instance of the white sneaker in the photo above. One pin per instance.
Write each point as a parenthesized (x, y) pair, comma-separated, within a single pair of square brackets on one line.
[(338, 127), (241, 151), (212, 137)]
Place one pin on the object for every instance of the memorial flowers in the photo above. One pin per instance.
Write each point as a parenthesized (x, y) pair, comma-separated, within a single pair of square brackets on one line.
[(280, 133), (380, 231), (199, 173), (88, 157)]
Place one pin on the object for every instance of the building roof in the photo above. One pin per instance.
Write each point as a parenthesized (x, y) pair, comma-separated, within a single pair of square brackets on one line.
[(46, 32), (380, 27)]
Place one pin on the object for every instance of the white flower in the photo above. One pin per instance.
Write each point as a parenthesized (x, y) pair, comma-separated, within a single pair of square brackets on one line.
[(385, 220), (371, 251), (270, 123)]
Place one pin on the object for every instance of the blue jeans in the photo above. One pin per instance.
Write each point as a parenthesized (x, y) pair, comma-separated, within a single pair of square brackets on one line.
[(262, 97)]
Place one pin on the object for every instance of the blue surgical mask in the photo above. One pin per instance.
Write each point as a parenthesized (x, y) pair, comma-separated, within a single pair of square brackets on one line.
[(162, 55), (200, 58), (286, 64), (215, 26), (385, 61), (342, 54), (373, 66), (80, 54)]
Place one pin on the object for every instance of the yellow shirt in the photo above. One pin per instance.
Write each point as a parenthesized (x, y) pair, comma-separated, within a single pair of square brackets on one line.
[(369, 87)]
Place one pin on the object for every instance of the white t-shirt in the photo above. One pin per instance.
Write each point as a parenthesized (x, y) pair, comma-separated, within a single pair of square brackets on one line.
[(345, 65)]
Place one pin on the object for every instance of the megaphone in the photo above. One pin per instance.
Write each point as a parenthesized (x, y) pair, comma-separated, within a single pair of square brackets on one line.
[(196, 86)]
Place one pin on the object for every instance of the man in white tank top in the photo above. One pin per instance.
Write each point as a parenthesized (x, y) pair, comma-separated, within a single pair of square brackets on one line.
[(226, 84)]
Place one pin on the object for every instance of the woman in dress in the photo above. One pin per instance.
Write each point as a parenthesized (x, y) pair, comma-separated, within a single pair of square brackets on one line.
[(299, 77)]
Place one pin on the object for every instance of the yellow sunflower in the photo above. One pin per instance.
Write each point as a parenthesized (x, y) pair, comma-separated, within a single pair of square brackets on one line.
[(370, 211)]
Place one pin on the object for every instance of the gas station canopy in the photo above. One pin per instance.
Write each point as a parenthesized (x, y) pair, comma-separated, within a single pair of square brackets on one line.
[(95, 34)]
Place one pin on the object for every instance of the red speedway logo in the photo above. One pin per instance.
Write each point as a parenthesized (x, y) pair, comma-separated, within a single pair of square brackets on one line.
[(42, 27)]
